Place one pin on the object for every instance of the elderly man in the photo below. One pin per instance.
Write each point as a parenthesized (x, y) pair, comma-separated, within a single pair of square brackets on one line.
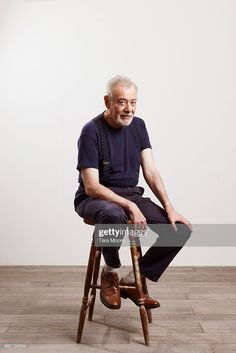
[(108, 191)]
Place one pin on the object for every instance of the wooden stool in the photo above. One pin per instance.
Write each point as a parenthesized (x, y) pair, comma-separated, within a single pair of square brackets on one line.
[(91, 285)]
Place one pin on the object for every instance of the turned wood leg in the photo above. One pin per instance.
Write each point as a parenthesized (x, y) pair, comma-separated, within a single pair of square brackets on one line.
[(144, 286), (87, 286), (139, 286), (94, 282)]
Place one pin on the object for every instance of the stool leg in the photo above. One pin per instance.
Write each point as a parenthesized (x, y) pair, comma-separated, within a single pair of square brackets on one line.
[(144, 286), (87, 286), (94, 282), (145, 291), (138, 282), (144, 320)]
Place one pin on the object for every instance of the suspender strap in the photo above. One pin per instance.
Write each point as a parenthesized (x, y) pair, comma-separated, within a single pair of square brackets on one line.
[(137, 134), (106, 160)]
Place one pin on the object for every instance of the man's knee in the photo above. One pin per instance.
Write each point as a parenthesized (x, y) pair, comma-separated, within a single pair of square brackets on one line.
[(112, 213), (183, 231)]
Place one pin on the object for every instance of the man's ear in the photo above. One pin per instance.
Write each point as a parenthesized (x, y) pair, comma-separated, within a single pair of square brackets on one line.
[(107, 102)]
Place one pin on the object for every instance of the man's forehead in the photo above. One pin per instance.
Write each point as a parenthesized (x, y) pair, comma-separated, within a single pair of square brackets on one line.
[(122, 91)]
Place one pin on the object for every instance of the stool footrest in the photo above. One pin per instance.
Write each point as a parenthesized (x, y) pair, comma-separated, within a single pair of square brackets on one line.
[(127, 286), (97, 286)]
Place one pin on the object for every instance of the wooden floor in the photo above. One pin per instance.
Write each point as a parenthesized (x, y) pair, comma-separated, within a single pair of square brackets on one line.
[(39, 308)]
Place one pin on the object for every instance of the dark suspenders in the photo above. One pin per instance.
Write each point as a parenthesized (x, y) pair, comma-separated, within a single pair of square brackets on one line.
[(106, 156), (106, 160)]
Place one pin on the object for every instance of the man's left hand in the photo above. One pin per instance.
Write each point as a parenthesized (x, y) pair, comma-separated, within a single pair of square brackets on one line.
[(174, 216)]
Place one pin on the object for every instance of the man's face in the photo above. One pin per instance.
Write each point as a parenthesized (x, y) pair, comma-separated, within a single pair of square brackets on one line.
[(121, 106)]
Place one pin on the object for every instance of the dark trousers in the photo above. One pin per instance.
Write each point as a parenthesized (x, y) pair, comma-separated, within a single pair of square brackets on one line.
[(157, 258)]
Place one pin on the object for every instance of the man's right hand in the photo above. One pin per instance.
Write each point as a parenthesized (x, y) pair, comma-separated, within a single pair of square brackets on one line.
[(136, 216)]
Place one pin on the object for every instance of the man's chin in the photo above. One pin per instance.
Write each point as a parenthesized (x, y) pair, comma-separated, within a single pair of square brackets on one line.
[(125, 121)]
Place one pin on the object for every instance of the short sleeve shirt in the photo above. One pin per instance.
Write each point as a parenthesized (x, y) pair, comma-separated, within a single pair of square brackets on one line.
[(124, 153)]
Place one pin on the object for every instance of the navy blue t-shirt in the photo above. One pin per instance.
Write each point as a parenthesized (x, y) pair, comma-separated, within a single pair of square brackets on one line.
[(124, 153)]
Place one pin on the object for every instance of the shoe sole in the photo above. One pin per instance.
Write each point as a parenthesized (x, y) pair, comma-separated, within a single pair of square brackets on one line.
[(125, 296)]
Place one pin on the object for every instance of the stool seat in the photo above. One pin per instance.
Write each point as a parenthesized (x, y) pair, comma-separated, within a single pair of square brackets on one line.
[(90, 286)]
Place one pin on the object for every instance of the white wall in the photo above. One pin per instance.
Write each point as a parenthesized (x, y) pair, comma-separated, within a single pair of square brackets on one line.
[(56, 57)]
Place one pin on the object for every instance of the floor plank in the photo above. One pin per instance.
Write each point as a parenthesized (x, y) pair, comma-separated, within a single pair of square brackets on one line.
[(39, 307)]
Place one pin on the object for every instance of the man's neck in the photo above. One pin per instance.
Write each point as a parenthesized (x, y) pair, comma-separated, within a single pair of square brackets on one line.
[(109, 121)]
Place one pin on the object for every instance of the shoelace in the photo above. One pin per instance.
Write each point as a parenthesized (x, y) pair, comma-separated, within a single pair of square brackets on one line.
[(112, 280)]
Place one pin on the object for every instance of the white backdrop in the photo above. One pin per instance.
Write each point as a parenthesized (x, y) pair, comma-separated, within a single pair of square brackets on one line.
[(56, 57)]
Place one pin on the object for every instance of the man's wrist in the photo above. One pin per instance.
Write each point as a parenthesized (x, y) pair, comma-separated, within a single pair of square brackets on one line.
[(129, 205), (168, 207)]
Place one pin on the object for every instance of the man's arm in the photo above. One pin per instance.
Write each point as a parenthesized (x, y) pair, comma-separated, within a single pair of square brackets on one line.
[(93, 188), (153, 179)]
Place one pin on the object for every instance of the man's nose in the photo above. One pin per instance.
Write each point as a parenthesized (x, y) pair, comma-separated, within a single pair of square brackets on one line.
[(128, 107)]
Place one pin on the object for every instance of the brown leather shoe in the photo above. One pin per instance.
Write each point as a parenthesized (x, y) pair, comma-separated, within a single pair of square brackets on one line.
[(132, 294), (110, 291)]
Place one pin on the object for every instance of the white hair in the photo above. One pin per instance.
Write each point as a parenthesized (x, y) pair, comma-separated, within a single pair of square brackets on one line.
[(119, 80)]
